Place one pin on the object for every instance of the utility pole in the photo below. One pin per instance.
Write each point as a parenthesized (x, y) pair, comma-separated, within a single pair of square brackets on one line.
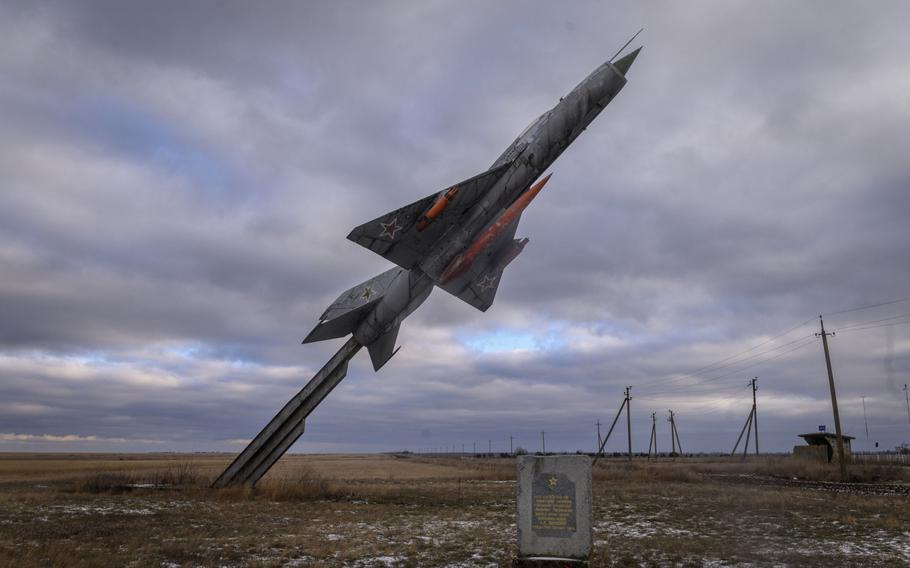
[(653, 441), (865, 421), (598, 435), (907, 397), (510, 445), (543, 441), (610, 431), (629, 418), (672, 432), (678, 443), (748, 424), (491, 446), (755, 412), (751, 420), (475, 449), (840, 440)]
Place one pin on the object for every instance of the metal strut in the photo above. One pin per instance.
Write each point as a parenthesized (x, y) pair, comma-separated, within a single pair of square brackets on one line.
[(284, 429)]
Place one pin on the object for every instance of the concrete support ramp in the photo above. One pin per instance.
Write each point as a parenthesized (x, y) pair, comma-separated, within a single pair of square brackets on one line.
[(284, 429)]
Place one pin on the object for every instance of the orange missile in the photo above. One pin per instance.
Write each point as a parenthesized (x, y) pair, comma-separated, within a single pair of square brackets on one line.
[(489, 235), (436, 209)]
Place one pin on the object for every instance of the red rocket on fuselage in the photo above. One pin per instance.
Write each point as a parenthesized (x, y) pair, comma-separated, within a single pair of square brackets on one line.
[(463, 261)]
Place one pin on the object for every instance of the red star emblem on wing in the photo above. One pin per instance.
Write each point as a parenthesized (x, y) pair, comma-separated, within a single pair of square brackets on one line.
[(487, 282), (389, 229)]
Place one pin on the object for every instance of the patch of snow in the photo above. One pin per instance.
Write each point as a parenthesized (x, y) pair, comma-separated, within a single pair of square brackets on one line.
[(101, 510)]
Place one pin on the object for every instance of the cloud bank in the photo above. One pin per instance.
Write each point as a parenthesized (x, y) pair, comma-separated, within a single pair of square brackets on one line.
[(178, 180)]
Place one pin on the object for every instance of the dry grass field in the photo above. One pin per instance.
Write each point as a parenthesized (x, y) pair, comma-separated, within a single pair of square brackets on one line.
[(382, 510)]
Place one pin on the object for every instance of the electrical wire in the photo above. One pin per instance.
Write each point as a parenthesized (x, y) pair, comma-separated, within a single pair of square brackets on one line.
[(806, 341), (875, 326), (898, 301), (781, 334), (857, 324), (673, 380), (701, 374)]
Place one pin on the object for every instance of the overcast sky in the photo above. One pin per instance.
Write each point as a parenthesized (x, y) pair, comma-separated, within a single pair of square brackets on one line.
[(177, 181)]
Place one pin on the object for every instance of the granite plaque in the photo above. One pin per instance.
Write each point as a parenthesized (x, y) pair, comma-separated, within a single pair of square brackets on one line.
[(553, 505)]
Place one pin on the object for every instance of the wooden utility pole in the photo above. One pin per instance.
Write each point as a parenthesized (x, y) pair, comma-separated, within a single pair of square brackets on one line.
[(755, 412), (751, 421), (543, 441), (610, 431), (676, 432), (865, 421), (653, 441), (907, 398), (629, 418), (598, 436), (510, 445), (840, 439), (672, 432), (748, 424), (748, 435)]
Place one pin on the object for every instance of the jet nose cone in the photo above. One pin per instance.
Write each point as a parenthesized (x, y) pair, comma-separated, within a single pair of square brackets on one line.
[(623, 64)]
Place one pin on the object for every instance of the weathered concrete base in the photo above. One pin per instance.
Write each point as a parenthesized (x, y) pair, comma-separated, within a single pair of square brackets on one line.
[(548, 562), (555, 517)]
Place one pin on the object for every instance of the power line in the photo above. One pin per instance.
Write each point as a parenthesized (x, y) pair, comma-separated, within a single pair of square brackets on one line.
[(781, 334), (674, 381), (714, 405), (869, 306), (749, 358), (694, 388), (806, 341), (702, 402), (875, 326), (857, 324), (714, 366)]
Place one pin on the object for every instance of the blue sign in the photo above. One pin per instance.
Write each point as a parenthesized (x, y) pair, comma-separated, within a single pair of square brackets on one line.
[(821, 427)]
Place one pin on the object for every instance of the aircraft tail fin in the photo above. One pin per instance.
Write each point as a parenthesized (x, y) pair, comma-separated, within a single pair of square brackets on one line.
[(383, 348)]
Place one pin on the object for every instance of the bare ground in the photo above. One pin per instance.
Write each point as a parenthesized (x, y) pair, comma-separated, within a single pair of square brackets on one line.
[(364, 511)]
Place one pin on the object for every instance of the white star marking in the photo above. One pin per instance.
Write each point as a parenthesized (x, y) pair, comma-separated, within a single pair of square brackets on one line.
[(367, 293), (487, 282), (389, 229)]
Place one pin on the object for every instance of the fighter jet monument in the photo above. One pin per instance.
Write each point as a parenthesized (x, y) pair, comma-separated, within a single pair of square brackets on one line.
[(459, 239)]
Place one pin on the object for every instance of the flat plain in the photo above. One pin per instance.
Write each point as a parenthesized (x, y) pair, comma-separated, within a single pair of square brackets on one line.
[(411, 510)]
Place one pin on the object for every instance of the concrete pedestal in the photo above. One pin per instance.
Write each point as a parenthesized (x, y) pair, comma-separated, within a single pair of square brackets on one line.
[(555, 519)]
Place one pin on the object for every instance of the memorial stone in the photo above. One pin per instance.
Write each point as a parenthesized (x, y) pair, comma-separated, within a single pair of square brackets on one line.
[(554, 509)]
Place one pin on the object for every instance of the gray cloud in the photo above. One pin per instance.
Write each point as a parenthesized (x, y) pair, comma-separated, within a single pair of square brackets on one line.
[(178, 181)]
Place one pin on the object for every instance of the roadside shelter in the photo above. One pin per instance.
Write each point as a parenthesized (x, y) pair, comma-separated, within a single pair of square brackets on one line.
[(822, 446)]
